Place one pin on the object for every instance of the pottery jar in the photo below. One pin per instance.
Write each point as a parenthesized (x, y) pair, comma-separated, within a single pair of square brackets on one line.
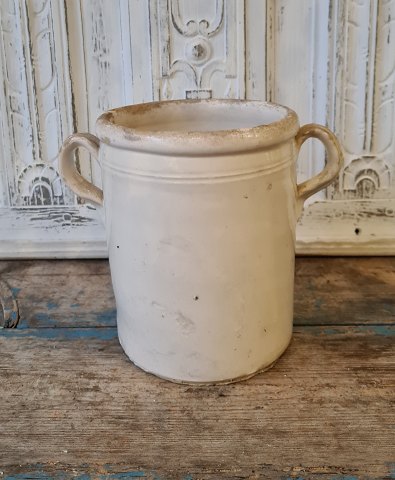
[(201, 203)]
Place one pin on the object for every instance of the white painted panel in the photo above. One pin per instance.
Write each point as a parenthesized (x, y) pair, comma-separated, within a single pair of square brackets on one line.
[(297, 52), (354, 219), (197, 49), (52, 232), (65, 61), (50, 103), (101, 74), (18, 139), (255, 49), (383, 120), (140, 51), (362, 106), (36, 114), (4, 200), (348, 227), (356, 78)]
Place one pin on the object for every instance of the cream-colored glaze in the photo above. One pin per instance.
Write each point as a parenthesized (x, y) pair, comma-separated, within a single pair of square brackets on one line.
[(201, 230)]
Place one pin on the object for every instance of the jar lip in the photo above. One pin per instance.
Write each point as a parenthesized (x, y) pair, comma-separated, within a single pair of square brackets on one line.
[(147, 127)]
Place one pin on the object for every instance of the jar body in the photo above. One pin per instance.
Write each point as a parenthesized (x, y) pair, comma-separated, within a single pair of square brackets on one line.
[(202, 253)]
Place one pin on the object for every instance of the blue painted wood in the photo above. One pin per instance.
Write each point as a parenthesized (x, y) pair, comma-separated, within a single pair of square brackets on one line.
[(110, 333), (328, 291), (99, 333), (40, 472)]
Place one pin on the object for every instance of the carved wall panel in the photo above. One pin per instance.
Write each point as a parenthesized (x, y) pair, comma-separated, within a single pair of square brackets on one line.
[(383, 118), (99, 56), (19, 140), (200, 48), (363, 52), (37, 102), (296, 68), (62, 62)]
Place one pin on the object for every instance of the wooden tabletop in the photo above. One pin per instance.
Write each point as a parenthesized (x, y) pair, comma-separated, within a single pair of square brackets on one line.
[(73, 406)]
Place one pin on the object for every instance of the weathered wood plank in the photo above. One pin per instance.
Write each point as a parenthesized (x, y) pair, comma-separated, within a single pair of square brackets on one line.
[(78, 406), (79, 293), (61, 293), (345, 290), (43, 268), (110, 333), (122, 472)]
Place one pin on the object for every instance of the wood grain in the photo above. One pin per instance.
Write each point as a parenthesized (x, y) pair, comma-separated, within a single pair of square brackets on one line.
[(344, 290), (79, 293), (326, 408), (61, 293), (73, 406)]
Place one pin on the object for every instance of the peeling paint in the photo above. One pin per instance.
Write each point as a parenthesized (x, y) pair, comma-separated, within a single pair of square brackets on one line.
[(9, 314), (104, 333), (65, 475)]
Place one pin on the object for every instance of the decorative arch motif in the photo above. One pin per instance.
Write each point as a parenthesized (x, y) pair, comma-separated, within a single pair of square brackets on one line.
[(40, 184), (366, 175)]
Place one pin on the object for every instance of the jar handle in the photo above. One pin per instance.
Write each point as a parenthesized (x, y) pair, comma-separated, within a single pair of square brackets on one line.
[(334, 159), (70, 174)]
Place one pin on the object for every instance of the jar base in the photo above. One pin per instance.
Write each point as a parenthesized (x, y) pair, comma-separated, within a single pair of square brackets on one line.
[(241, 378)]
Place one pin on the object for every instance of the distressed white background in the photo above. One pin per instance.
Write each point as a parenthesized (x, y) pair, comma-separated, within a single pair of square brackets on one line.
[(65, 61)]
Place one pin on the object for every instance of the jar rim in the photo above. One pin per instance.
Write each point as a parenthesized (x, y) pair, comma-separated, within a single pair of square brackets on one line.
[(197, 127)]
